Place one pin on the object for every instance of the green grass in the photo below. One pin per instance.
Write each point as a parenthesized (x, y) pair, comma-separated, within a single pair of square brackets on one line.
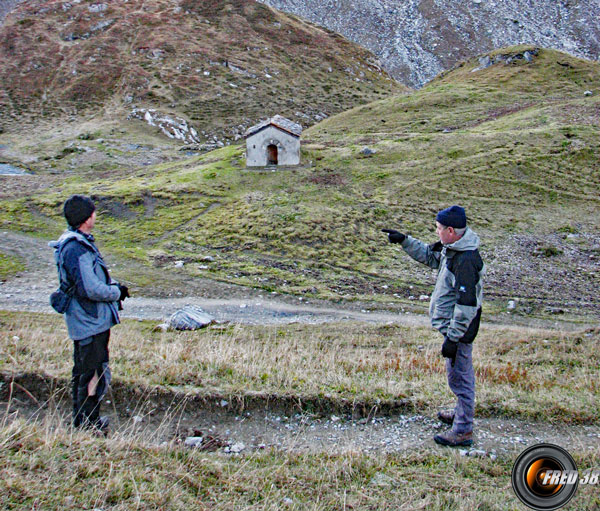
[(9, 265), (517, 145), (534, 374), (126, 473)]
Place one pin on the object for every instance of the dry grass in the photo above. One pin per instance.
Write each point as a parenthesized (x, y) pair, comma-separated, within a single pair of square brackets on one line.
[(547, 375), (44, 467)]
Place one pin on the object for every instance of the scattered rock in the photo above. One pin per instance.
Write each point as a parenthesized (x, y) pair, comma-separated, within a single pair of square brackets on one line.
[(193, 441), (176, 128), (237, 448), (366, 151), (190, 318), (97, 7)]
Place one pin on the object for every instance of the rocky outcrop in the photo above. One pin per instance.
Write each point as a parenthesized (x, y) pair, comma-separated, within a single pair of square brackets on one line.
[(417, 39), (6, 6), (172, 127)]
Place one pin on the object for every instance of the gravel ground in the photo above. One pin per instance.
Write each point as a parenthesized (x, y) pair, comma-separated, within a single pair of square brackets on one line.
[(268, 427)]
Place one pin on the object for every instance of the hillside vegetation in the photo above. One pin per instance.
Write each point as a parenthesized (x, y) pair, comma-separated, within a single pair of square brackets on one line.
[(516, 143), (80, 69)]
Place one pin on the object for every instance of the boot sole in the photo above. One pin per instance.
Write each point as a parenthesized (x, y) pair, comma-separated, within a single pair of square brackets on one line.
[(443, 441)]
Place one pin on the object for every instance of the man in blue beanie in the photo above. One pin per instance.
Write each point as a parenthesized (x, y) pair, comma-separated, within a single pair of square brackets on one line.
[(455, 310), (91, 310)]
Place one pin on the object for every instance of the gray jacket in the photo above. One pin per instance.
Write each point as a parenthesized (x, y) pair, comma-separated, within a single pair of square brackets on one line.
[(455, 306), (94, 307)]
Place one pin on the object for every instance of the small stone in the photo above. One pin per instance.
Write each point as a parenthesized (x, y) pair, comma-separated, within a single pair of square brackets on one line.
[(287, 501), (588, 93), (477, 453), (193, 441), (237, 448), (137, 419), (367, 151), (424, 297), (16, 338), (223, 403), (179, 264), (511, 305)]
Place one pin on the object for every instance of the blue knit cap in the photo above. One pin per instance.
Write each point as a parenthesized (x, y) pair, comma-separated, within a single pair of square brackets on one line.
[(454, 216)]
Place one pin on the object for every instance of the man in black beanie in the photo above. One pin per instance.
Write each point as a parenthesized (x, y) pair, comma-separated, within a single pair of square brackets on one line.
[(92, 310), (455, 310)]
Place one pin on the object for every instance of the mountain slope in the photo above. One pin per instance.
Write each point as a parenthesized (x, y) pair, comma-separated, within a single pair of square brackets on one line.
[(219, 64), (417, 39), (516, 143)]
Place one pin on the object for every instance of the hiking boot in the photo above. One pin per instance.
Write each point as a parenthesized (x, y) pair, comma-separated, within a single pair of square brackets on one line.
[(101, 426), (453, 439), (446, 416)]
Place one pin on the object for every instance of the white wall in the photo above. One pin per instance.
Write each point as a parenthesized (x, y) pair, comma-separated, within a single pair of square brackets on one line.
[(288, 147)]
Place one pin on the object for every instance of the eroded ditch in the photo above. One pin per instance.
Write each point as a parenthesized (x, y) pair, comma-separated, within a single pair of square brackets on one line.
[(236, 425)]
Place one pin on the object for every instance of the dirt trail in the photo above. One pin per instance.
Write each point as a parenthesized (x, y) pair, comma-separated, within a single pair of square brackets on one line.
[(30, 290), (170, 418)]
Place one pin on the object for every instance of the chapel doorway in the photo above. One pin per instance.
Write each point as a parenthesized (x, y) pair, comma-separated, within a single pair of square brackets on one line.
[(272, 154)]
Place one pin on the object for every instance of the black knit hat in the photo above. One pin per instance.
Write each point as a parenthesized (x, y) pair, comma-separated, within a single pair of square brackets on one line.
[(454, 216), (77, 209)]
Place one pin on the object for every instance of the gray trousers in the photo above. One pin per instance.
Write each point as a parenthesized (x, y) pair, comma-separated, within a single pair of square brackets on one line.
[(461, 380)]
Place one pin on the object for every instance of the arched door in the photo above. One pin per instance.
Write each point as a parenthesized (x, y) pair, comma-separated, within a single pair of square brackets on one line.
[(272, 154)]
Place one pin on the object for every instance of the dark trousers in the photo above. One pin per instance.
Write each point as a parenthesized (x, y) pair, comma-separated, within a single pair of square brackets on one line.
[(461, 379), (90, 355)]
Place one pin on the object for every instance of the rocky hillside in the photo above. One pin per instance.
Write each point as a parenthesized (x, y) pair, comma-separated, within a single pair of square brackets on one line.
[(417, 39), (213, 67)]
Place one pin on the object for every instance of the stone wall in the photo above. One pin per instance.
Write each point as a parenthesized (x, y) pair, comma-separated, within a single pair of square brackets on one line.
[(288, 147)]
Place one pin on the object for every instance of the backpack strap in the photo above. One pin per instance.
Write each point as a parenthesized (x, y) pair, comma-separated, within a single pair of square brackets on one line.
[(68, 290)]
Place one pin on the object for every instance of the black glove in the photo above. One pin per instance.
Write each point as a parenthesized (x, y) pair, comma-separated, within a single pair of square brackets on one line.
[(449, 349), (394, 236), (124, 292)]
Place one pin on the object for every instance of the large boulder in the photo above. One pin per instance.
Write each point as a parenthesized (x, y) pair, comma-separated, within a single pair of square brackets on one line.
[(189, 318)]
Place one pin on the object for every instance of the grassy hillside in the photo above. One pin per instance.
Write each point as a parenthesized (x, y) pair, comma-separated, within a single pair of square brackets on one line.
[(516, 143), (220, 64)]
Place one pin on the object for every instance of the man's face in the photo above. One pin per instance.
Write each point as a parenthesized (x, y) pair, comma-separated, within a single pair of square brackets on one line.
[(446, 234), (88, 225)]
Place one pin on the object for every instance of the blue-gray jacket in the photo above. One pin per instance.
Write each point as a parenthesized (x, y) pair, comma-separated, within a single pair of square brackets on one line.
[(94, 307), (455, 306)]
